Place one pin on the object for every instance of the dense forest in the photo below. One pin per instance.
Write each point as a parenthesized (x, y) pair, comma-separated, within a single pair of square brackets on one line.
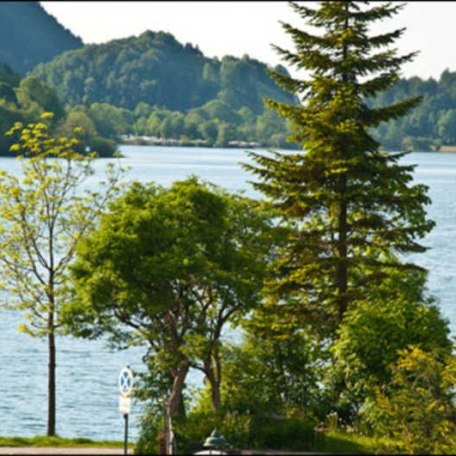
[(153, 85), (154, 68), (29, 35), (25, 99), (432, 124)]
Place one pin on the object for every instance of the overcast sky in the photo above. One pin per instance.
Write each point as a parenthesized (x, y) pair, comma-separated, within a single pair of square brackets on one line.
[(237, 28)]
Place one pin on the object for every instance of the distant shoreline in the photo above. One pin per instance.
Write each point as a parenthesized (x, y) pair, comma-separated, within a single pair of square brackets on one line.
[(131, 140), (448, 149)]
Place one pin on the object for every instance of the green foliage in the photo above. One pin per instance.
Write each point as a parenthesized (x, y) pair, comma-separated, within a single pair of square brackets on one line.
[(29, 35), (153, 85), (154, 68), (240, 430), (447, 127), (169, 269), (155, 71), (350, 208), (371, 335), (110, 120), (79, 123), (215, 123), (268, 374), (251, 431), (418, 408), (431, 124), (26, 99), (151, 432), (44, 216), (343, 442), (8, 75), (7, 93), (36, 97)]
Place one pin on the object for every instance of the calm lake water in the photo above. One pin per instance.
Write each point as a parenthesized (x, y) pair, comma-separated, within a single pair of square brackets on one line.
[(87, 393)]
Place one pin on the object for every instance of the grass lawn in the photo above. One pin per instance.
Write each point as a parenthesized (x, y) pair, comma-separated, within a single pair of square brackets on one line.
[(334, 442), (351, 443), (45, 441)]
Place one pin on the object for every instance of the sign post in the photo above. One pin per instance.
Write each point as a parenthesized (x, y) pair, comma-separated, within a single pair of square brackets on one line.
[(126, 381)]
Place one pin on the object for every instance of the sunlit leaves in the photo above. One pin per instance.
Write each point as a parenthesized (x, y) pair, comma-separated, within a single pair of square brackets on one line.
[(45, 214), (417, 408), (171, 268)]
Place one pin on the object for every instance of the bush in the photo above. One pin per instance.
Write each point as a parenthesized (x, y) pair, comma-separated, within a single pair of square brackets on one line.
[(104, 147), (371, 335), (272, 374), (191, 432), (417, 409), (283, 433), (241, 431), (151, 425)]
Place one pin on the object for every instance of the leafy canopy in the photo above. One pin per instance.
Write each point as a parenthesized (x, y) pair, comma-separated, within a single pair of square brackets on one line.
[(170, 269), (46, 212)]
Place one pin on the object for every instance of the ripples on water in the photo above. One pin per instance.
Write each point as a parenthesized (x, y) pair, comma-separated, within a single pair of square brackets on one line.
[(87, 393)]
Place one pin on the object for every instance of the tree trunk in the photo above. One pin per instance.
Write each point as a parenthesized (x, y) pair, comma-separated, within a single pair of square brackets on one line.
[(51, 377), (176, 407), (342, 267), (215, 392), (342, 273), (214, 379)]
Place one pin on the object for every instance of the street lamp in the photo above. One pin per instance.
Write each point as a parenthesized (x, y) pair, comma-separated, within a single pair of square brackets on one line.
[(214, 444)]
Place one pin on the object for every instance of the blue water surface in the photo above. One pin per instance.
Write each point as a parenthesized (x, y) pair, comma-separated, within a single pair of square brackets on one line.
[(87, 371)]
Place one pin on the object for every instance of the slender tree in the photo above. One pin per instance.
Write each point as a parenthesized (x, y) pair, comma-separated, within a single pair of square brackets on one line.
[(45, 213), (351, 209)]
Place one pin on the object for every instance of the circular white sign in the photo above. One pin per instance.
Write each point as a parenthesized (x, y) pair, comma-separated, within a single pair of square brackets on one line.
[(126, 381)]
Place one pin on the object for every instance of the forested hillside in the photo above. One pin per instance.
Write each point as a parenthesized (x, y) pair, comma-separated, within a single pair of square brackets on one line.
[(153, 85), (29, 35), (431, 124), (156, 69)]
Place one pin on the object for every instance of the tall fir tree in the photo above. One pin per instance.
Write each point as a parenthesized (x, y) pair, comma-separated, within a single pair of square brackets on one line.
[(352, 210)]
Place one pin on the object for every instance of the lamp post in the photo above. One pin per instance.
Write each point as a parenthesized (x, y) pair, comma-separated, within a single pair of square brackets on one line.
[(214, 444)]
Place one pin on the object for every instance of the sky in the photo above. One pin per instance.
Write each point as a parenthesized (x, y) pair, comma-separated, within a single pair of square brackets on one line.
[(238, 28)]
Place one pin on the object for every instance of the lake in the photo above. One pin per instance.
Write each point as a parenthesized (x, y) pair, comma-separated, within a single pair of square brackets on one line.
[(87, 393)]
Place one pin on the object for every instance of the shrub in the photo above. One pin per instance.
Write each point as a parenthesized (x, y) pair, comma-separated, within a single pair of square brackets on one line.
[(417, 409), (371, 335)]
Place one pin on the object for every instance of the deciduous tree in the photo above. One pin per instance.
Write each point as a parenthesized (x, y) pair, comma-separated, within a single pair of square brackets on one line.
[(45, 213), (170, 269)]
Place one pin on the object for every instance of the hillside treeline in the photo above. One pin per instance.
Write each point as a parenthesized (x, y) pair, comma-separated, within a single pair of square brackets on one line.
[(25, 99)]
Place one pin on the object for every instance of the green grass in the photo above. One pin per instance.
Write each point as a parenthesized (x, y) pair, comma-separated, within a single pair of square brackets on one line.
[(351, 443), (44, 441)]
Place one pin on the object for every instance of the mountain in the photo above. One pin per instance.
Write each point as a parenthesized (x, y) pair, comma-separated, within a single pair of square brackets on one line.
[(153, 85), (156, 69), (29, 35)]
